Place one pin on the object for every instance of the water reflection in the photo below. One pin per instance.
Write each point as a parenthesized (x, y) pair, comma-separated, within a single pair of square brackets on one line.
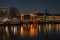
[(31, 30), (7, 32)]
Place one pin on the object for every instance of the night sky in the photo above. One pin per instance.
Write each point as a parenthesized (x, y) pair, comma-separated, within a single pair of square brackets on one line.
[(33, 5)]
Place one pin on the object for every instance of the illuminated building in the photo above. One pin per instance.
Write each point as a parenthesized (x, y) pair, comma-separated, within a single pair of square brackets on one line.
[(4, 11)]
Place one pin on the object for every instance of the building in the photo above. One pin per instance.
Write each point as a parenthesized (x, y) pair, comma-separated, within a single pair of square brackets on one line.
[(40, 17), (4, 11)]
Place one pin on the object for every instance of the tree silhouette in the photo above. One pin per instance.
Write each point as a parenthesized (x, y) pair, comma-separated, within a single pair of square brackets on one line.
[(13, 11), (46, 11), (1, 13)]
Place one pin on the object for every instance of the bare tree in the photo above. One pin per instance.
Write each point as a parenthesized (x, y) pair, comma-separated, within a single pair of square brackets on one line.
[(13, 11), (46, 11)]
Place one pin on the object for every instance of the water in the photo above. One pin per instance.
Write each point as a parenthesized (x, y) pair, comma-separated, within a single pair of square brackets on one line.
[(30, 32)]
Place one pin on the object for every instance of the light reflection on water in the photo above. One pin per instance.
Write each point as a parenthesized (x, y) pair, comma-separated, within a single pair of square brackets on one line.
[(33, 29)]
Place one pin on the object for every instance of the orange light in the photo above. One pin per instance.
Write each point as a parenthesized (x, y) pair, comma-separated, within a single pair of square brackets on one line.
[(21, 31), (31, 31)]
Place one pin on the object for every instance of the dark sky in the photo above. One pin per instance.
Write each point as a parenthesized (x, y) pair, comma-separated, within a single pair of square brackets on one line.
[(33, 5)]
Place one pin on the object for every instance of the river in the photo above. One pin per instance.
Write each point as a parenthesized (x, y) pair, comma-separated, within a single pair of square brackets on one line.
[(30, 32)]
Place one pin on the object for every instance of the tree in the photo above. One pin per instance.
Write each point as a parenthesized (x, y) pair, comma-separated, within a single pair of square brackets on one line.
[(13, 11), (46, 11), (1, 13)]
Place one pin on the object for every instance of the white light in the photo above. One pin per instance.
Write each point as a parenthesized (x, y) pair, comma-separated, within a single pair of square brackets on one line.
[(15, 30), (39, 28), (7, 32)]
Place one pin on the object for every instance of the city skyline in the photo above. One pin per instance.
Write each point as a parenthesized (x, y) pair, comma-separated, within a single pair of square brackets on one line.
[(33, 5)]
